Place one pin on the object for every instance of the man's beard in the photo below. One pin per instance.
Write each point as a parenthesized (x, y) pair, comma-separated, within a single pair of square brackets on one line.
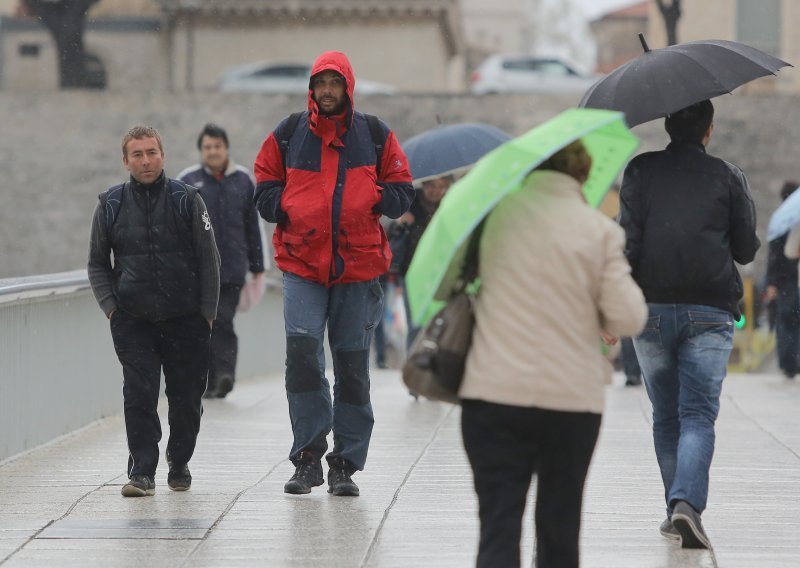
[(338, 109)]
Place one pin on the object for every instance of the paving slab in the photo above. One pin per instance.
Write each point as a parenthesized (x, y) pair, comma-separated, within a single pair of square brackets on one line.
[(60, 504)]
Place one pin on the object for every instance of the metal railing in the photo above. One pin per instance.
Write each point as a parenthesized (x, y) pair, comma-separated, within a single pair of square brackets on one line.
[(58, 368)]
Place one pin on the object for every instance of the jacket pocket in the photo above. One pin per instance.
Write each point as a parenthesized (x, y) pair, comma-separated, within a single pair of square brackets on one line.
[(297, 245)]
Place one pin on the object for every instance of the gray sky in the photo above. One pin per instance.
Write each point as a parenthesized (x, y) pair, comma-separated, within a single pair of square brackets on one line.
[(594, 8)]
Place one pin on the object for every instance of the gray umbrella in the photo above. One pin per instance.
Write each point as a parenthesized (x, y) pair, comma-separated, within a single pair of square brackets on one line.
[(450, 149), (663, 81)]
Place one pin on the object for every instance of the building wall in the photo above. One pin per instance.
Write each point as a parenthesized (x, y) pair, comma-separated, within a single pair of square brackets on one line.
[(498, 26), (412, 56), (617, 41), (717, 19), (131, 52)]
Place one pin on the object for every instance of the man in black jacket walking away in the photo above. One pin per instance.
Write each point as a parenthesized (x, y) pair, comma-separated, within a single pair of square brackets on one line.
[(688, 217), (227, 190), (160, 295)]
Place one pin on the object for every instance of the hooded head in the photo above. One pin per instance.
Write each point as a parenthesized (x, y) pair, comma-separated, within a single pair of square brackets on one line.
[(322, 85)]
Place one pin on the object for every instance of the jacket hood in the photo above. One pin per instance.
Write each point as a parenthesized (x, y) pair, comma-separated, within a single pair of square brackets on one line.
[(332, 61)]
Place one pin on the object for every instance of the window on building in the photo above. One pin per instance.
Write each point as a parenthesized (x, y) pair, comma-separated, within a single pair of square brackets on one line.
[(758, 23), (29, 49)]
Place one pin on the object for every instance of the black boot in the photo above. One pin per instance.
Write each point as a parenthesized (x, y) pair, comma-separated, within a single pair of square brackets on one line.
[(339, 480), (308, 474)]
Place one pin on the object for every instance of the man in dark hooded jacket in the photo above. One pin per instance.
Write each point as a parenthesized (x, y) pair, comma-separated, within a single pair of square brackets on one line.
[(325, 179)]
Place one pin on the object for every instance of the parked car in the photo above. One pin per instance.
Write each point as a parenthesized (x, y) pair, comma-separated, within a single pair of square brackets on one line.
[(506, 73), (290, 78)]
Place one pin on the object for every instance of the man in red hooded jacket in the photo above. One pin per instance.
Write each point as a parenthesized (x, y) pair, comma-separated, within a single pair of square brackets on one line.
[(326, 189)]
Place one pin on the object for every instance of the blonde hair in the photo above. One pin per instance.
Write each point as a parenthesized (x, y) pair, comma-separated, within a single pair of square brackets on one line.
[(138, 133)]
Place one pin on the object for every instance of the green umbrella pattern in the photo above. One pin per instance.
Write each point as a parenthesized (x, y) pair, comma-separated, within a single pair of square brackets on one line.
[(501, 172)]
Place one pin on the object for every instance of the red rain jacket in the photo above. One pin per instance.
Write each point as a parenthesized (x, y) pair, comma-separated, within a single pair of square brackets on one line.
[(327, 199)]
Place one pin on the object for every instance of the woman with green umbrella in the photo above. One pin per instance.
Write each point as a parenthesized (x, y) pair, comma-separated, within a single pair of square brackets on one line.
[(553, 281)]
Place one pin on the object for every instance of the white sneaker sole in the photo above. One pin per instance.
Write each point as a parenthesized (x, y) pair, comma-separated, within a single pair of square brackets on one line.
[(691, 537), (129, 490)]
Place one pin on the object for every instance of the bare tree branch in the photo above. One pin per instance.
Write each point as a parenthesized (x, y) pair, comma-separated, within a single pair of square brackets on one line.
[(671, 13), (65, 19)]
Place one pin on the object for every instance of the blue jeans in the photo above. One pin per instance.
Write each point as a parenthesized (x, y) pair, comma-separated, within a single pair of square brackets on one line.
[(683, 352), (350, 312)]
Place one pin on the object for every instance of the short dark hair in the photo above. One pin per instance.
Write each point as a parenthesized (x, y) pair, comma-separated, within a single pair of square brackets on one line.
[(690, 124), (213, 131), (139, 133), (788, 188)]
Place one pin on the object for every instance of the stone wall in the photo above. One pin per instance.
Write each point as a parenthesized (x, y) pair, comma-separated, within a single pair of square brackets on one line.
[(59, 150)]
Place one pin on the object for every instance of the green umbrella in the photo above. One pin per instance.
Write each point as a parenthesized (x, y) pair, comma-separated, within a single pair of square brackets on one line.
[(502, 171)]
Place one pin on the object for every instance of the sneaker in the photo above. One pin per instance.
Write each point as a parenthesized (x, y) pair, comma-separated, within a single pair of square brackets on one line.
[(179, 478), (687, 522), (308, 474), (667, 530), (139, 486), (339, 481), (224, 386)]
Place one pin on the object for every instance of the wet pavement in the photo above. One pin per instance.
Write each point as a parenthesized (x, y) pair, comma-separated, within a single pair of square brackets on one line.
[(60, 504)]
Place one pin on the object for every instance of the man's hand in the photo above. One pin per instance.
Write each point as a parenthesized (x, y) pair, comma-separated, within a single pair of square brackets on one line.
[(210, 323), (111, 313), (609, 339), (406, 218)]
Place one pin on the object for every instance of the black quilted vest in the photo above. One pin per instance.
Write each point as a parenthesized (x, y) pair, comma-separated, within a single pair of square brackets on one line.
[(156, 271)]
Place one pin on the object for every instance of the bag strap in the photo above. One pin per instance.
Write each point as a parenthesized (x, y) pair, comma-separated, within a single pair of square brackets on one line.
[(376, 132), (285, 134), (470, 268)]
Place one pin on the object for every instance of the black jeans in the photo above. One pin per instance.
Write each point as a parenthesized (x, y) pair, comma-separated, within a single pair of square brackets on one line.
[(506, 445), (224, 343), (787, 330), (180, 346)]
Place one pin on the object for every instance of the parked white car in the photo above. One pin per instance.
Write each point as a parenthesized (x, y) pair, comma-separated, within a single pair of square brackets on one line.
[(289, 78), (506, 73)]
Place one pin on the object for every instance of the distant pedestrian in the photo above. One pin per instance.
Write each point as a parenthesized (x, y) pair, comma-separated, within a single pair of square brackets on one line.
[(630, 364), (160, 294), (533, 390), (227, 190), (782, 282), (326, 176), (406, 231), (689, 218)]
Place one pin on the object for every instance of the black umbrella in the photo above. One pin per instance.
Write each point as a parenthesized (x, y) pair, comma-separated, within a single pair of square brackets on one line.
[(663, 81)]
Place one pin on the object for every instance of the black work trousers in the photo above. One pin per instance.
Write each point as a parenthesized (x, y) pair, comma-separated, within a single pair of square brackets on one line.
[(224, 343), (180, 347), (506, 446)]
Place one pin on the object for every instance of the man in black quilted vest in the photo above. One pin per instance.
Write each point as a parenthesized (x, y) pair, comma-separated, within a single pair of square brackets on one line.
[(160, 294)]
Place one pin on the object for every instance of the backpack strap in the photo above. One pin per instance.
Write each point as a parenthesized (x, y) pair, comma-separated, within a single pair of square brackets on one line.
[(113, 202), (285, 132), (378, 140), (182, 195)]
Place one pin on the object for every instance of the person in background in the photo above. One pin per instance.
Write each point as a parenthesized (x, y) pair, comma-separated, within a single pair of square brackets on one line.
[(534, 386), (782, 291), (227, 190), (406, 231), (160, 296)]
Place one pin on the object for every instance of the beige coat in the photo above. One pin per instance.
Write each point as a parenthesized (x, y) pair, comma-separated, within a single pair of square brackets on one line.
[(553, 276)]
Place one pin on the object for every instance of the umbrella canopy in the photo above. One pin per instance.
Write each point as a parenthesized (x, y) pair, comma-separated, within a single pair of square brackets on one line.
[(662, 81), (501, 172), (450, 149), (785, 217)]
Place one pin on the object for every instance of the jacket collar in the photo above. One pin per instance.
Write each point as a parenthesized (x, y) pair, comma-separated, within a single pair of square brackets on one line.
[(553, 182), (691, 146), (229, 169), (157, 184)]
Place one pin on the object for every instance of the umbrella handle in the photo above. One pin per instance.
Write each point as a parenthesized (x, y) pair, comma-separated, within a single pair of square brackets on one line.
[(644, 43)]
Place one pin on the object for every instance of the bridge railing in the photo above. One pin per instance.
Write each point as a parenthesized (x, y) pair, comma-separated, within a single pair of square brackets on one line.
[(58, 369)]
